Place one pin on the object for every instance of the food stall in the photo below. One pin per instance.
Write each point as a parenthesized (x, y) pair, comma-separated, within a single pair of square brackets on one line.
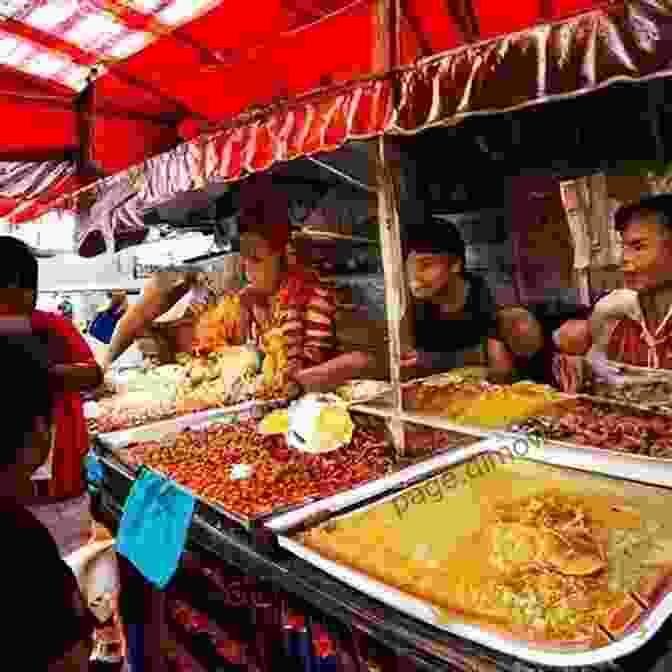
[(319, 548), (320, 604), (258, 554)]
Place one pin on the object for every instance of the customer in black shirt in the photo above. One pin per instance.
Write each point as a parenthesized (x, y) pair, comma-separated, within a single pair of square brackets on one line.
[(455, 311)]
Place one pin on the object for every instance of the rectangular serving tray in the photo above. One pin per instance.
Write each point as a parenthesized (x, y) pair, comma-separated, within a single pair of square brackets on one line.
[(425, 612), (112, 447), (155, 430)]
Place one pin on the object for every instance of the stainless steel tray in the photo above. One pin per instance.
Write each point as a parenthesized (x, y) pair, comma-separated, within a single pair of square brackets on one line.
[(424, 611), (655, 467), (113, 448), (399, 480), (154, 431), (288, 515)]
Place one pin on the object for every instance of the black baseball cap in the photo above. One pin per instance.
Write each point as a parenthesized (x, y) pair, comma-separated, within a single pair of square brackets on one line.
[(435, 236)]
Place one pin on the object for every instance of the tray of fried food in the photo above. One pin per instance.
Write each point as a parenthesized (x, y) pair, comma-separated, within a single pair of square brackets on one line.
[(480, 404), (604, 425), (545, 563)]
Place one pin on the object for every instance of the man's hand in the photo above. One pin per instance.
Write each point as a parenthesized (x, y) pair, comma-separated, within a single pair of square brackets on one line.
[(603, 370), (409, 359)]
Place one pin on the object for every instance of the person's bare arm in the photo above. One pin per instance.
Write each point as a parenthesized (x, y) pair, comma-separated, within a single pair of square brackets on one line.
[(500, 362), (156, 300), (336, 371), (606, 315)]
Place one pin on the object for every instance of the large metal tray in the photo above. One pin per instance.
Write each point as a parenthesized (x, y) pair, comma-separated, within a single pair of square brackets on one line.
[(326, 508), (155, 430), (425, 612), (113, 448), (381, 406), (583, 458), (657, 467)]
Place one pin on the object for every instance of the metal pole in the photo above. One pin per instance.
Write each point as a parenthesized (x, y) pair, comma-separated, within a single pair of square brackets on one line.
[(344, 176)]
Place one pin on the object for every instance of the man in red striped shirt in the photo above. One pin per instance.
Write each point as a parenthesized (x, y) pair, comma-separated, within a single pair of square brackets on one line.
[(289, 300)]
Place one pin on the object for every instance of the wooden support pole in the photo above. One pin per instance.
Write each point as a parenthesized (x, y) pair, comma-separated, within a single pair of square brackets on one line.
[(396, 296), (86, 129)]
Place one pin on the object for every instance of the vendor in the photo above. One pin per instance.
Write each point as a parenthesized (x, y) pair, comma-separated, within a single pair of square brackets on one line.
[(285, 307), (106, 319), (281, 303), (634, 325), (458, 323), (160, 295), (455, 312)]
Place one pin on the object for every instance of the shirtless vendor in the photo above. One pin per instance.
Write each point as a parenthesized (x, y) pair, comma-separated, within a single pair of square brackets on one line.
[(634, 325)]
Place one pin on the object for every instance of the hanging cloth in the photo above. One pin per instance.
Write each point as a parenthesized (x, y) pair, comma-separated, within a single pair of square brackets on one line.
[(590, 219)]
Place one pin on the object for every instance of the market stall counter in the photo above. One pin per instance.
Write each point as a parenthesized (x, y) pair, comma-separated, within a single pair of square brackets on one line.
[(421, 645)]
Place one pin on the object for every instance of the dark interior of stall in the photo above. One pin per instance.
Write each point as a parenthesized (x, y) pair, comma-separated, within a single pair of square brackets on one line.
[(497, 178)]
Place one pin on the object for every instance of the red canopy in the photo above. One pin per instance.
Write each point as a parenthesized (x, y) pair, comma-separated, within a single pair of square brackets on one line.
[(101, 85)]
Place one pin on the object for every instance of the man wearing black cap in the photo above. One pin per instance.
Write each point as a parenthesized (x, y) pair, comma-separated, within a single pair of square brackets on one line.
[(455, 311)]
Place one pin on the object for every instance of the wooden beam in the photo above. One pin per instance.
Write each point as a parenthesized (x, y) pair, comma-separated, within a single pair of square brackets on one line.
[(413, 23), (130, 17), (387, 31), (396, 295), (87, 166)]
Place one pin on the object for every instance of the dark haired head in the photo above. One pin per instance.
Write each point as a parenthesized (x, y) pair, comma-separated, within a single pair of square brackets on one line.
[(659, 206), (30, 395), (18, 265), (264, 211), (436, 236)]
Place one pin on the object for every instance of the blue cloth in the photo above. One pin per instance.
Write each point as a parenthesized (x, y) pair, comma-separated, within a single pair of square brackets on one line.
[(94, 469), (153, 529), (103, 325)]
